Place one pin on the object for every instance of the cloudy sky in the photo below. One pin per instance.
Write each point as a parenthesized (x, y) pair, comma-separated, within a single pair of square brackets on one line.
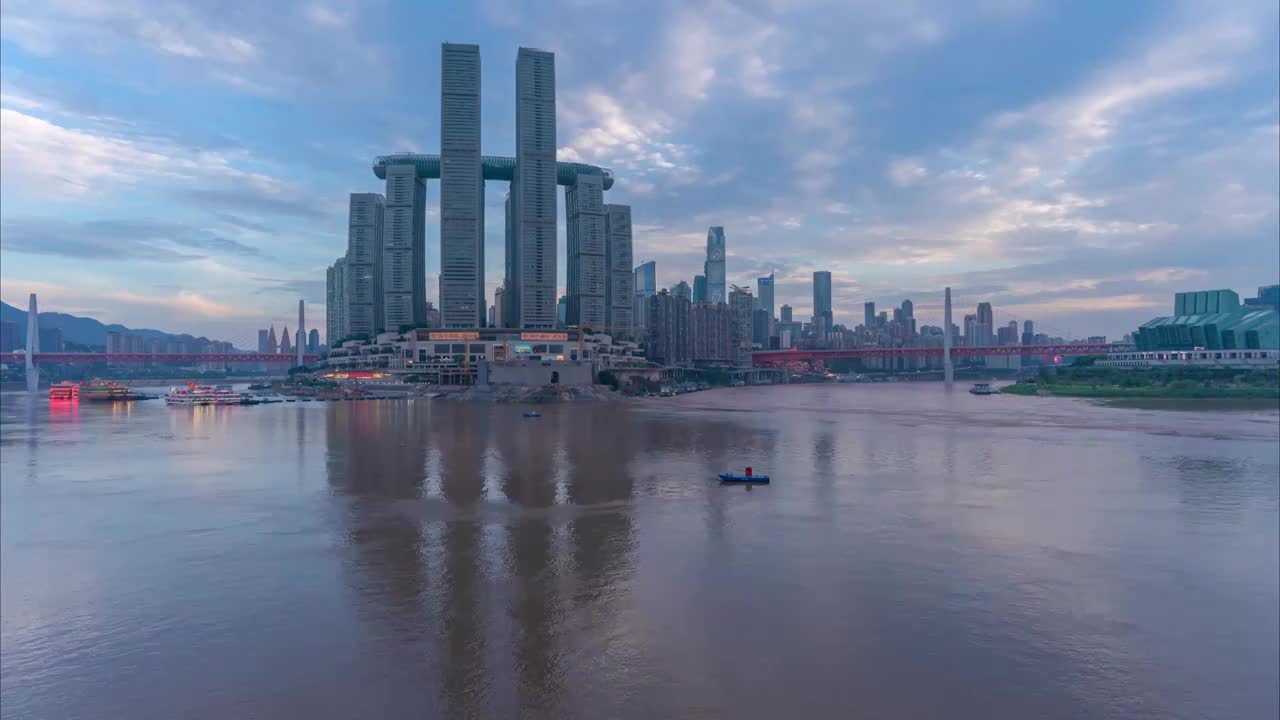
[(185, 165)]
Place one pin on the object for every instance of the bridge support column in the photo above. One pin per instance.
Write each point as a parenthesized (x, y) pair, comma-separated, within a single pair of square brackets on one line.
[(948, 372), (33, 346)]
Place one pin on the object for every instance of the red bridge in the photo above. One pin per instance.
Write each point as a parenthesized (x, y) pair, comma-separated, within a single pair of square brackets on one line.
[(775, 357), (184, 358)]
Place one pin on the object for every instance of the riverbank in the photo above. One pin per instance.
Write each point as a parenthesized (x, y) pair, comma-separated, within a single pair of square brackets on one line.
[(1172, 391), (529, 393)]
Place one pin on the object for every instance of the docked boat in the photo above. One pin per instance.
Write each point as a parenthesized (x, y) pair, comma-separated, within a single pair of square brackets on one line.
[(982, 389), (531, 414), (194, 394), (105, 390), (747, 477), (64, 391)]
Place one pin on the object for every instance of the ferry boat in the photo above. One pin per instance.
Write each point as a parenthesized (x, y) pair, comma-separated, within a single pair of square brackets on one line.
[(982, 389), (194, 394), (64, 391), (105, 390)]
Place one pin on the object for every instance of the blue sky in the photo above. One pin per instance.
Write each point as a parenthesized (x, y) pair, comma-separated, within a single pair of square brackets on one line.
[(185, 165)]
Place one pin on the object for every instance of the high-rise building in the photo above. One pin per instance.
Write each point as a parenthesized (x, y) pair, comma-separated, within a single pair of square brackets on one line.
[(365, 233), (699, 288), (822, 298), (263, 343), (619, 296), (868, 315), (313, 341), (646, 279), (971, 331), (461, 189), (711, 330), (511, 278), (1268, 297), (286, 348), (682, 289), (740, 306), (533, 189), (986, 325), (785, 313), (668, 330), (562, 311), (760, 326), (8, 336), (908, 310), (713, 268), (335, 305), (404, 247), (1028, 333), (764, 294), (585, 240), (499, 306), (493, 316), (50, 340)]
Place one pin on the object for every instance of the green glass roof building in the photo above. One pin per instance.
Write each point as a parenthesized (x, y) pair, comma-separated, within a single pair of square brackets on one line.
[(1213, 320)]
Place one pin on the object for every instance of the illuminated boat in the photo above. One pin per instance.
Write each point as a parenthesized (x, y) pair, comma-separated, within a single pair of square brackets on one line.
[(194, 394), (104, 390), (64, 391)]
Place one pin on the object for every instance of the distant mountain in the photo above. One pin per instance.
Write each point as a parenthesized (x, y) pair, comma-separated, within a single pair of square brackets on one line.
[(84, 331)]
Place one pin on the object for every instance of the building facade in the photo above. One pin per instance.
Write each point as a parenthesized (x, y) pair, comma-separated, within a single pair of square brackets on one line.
[(533, 190), (669, 341), (619, 298), (461, 188), (587, 273), (711, 333), (365, 233), (682, 289), (741, 303), (764, 294), (714, 267), (335, 304), (822, 299), (1210, 320), (404, 247)]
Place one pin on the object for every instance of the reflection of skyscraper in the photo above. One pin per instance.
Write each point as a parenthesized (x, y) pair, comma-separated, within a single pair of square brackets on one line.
[(717, 292), (533, 189), (461, 188)]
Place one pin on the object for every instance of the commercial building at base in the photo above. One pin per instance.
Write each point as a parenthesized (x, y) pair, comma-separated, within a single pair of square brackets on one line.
[(1235, 359), (1210, 320)]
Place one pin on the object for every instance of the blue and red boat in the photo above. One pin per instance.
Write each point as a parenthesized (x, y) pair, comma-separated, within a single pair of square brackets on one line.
[(747, 477)]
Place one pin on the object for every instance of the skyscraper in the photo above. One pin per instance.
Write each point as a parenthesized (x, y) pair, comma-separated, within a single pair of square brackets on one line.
[(713, 269), (313, 341), (668, 339), (586, 243), (908, 310), (404, 247), (511, 259), (286, 348), (785, 313), (335, 303), (764, 294), (364, 264), (711, 331), (869, 315), (272, 347), (619, 295), (986, 326), (461, 189), (533, 189), (1028, 333), (682, 289), (822, 298), (740, 305), (646, 279), (699, 288)]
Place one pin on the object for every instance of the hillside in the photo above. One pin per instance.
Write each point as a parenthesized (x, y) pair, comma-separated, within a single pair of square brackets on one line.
[(81, 330)]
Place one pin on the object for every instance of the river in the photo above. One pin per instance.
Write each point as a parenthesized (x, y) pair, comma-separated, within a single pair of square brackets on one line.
[(918, 554)]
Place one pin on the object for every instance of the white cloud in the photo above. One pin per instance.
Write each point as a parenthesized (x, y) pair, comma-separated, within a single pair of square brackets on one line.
[(905, 172)]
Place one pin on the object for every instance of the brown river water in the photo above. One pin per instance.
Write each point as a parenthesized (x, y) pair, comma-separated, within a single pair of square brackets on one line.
[(919, 554)]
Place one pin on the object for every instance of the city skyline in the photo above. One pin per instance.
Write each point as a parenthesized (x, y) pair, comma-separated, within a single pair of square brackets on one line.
[(1039, 197)]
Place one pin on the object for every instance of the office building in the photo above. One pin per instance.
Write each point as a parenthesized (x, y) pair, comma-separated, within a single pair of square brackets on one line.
[(822, 299), (587, 272), (510, 278), (50, 340), (699, 288), (363, 294), (1268, 297), (335, 303), (764, 294), (785, 313), (286, 348), (1212, 320), (908, 310), (669, 342), (682, 289), (562, 309), (533, 190), (646, 279), (713, 268), (711, 330), (1007, 335), (8, 336), (971, 331), (619, 296), (869, 315), (741, 304), (263, 344), (461, 189), (313, 341), (985, 327), (760, 326), (499, 307), (404, 247), (1028, 333), (272, 347)]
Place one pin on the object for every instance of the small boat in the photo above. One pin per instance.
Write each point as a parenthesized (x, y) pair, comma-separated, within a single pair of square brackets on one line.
[(982, 389), (531, 414), (746, 477)]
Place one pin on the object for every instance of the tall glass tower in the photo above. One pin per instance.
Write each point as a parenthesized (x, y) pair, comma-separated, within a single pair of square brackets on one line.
[(534, 189), (461, 189), (822, 297), (764, 294), (714, 267)]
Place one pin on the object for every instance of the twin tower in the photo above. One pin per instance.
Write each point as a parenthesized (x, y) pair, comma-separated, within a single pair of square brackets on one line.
[(385, 269)]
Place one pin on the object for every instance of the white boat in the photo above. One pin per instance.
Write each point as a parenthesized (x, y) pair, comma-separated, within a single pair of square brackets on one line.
[(194, 394), (982, 389)]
